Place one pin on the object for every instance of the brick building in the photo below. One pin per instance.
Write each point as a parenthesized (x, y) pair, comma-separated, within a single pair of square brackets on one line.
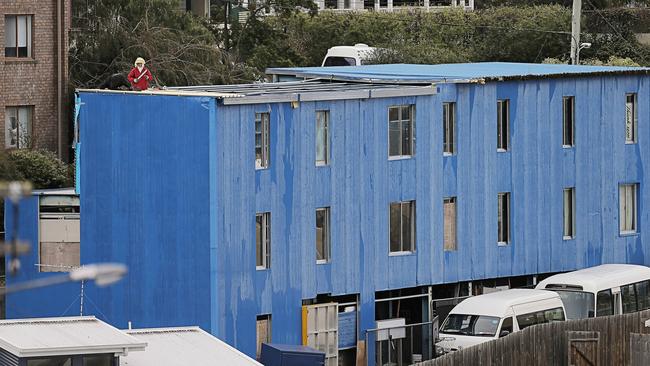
[(33, 74)]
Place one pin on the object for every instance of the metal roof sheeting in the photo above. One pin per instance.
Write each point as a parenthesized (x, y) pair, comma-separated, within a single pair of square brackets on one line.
[(183, 346), (463, 72), (64, 336)]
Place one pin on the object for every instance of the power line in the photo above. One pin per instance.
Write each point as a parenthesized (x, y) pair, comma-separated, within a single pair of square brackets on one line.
[(630, 45)]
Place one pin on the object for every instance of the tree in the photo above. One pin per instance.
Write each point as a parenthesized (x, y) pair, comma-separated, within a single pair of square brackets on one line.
[(179, 49)]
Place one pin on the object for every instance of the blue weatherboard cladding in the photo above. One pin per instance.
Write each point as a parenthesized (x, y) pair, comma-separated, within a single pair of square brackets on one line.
[(170, 188), (146, 203)]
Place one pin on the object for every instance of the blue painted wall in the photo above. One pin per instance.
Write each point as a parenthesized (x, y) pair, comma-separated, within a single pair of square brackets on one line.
[(59, 300), (146, 203), (170, 188)]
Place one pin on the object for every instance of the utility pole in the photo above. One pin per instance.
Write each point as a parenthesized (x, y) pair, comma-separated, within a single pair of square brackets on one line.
[(575, 32)]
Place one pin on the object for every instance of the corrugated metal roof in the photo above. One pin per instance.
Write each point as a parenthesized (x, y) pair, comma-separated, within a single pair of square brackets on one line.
[(183, 346), (462, 72), (64, 336), (308, 90)]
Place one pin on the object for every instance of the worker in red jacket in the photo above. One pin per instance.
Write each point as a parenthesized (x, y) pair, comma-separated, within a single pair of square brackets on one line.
[(140, 76)]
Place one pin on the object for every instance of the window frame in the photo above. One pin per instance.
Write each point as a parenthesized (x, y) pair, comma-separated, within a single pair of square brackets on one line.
[(568, 141), (400, 121), (503, 125), (503, 218), (572, 203), (622, 212), (448, 247), (264, 243), (635, 118), (325, 136), (29, 35), (264, 160), (21, 143), (412, 228), (326, 236), (449, 128)]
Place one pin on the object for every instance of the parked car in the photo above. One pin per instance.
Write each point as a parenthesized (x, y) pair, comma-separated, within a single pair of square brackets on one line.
[(481, 318)]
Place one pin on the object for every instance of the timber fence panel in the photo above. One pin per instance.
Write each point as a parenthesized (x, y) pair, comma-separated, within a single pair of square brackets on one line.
[(639, 349), (548, 344)]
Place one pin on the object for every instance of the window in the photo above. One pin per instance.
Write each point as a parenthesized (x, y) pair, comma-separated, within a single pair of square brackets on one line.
[(503, 124), (18, 36), (568, 124), (449, 217), (628, 295), (449, 128), (402, 227), (506, 327), (262, 140), (569, 213), (51, 361), (59, 234), (631, 116), (643, 294), (263, 332), (503, 218), (627, 208), (322, 235), (401, 131), (540, 317), (99, 360), (18, 127), (322, 137), (604, 303), (263, 240)]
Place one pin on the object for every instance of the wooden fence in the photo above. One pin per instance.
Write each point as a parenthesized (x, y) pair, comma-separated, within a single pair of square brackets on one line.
[(594, 341)]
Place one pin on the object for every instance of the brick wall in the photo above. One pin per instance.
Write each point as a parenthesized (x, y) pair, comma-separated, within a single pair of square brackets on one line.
[(33, 81)]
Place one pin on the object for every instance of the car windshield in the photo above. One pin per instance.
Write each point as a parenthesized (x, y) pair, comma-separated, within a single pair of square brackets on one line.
[(340, 61), (577, 304), (472, 325)]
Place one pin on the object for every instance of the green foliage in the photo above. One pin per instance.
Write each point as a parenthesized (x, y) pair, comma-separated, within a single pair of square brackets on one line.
[(41, 167), (179, 48)]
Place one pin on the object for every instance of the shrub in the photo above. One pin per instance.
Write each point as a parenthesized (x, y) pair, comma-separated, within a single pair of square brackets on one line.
[(43, 168)]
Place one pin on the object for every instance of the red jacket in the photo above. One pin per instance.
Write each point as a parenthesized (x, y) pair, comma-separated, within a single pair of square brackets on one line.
[(143, 81)]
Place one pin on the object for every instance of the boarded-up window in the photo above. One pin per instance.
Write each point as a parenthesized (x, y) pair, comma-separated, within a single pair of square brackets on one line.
[(59, 234), (449, 211), (263, 332)]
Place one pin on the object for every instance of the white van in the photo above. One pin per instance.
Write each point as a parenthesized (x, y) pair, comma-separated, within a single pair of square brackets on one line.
[(608, 289), (482, 318), (348, 55)]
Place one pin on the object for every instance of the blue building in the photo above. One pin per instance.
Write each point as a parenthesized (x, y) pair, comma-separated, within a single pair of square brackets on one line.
[(316, 211)]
